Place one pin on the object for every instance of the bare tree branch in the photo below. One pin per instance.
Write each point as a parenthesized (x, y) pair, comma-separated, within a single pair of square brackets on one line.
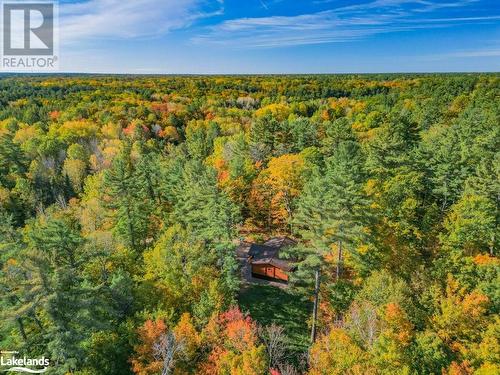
[(275, 341), (167, 350)]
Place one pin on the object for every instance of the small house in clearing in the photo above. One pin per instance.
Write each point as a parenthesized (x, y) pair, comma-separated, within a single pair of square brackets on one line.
[(266, 262)]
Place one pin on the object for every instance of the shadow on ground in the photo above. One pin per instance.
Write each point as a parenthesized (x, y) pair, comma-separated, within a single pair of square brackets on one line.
[(268, 304)]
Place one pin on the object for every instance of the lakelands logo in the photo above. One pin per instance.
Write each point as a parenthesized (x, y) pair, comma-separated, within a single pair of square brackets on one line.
[(10, 362), (30, 38)]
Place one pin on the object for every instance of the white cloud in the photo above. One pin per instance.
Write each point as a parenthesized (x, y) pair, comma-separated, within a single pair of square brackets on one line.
[(417, 5), (116, 19), (340, 24), (486, 52)]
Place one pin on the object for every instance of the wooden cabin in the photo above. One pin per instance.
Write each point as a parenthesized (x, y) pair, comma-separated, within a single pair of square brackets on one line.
[(265, 260), (271, 269)]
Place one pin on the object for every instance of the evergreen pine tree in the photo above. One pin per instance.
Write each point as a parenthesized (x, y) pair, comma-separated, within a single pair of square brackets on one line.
[(331, 214), (127, 194)]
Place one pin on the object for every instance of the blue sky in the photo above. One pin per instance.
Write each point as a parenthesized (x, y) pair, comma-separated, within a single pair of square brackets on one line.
[(279, 36)]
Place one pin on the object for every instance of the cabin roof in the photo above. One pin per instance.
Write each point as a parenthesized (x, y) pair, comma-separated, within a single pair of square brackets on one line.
[(262, 251), (270, 248), (280, 242)]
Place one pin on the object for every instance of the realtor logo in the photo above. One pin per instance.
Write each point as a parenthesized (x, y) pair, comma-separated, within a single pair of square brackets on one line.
[(11, 362), (29, 37), (28, 29)]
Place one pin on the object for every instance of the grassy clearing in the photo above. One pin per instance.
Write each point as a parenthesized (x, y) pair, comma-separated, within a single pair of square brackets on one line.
[(267, 304)]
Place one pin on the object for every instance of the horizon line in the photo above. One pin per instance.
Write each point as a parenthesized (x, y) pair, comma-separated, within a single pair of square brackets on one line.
[(245, 74)]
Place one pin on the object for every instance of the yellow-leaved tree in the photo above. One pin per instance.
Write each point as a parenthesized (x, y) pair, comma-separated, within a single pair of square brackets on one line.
[(274, 190)]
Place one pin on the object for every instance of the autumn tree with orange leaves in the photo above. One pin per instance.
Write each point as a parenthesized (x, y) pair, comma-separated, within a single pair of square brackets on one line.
[(235, 347)]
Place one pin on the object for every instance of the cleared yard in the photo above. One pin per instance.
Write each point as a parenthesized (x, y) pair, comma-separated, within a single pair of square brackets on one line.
[(268, 304)]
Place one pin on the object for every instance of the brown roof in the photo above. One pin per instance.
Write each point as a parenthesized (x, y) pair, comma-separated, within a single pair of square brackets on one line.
[(262, 251), (280, 242)]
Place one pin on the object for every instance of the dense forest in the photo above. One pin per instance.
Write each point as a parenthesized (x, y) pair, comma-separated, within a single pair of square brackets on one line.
[(123, 200)]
